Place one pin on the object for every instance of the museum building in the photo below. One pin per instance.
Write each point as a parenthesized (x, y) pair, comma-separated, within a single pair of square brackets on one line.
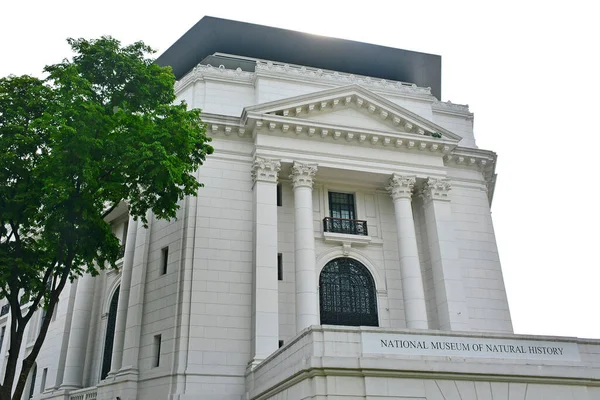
[(342, 247)]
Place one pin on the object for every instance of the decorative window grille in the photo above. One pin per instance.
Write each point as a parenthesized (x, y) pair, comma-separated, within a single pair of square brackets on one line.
[(110, 334), (347, 294)]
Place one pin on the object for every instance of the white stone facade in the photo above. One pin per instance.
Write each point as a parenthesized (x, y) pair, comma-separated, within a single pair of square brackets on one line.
[(206, 301)]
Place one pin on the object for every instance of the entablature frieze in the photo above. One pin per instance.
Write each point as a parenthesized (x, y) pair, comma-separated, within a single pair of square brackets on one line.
[(453, 155)]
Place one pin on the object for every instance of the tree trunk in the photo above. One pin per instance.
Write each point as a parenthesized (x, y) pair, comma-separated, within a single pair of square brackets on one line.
[(17, 329), (39, 341)]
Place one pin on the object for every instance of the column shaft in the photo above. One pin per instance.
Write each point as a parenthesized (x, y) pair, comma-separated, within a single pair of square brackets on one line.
[(123, 303), (304, 239), (135, 308), (80, 326), (410, 267), (265, 313)]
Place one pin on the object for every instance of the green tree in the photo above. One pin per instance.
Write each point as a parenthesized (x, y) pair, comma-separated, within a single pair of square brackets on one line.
[(100, 130)]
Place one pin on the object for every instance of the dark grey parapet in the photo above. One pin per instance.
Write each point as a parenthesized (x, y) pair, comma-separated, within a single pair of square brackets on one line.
[(211, 35)]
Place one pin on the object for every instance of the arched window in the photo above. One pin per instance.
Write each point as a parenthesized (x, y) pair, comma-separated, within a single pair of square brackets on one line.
[(110, 334), (347, 294)]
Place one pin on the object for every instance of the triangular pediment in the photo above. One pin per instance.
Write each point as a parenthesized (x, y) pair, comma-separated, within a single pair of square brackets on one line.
[(349, 116), (351, 107)]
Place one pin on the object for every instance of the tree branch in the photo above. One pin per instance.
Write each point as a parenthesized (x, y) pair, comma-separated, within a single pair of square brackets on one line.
[(40, 294)]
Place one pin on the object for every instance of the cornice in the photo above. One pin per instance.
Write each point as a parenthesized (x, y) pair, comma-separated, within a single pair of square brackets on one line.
[(482, 160), (461, 110), (208, 72), (364, 137), (231, 126), (310, 74)]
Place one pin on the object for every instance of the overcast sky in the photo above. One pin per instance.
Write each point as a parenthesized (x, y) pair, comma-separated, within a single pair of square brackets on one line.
[(529, 71)]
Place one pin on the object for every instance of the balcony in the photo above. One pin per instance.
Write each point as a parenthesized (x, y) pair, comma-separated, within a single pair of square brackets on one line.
[(349, 231), (121, 252), (345, 226)]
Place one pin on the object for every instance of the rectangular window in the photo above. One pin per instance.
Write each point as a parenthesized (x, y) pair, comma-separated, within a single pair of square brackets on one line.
[(280, 343), (43, 383), (279, 196), (164, 260), (280, 266), (157, 340), (342, 216), (341, 205)]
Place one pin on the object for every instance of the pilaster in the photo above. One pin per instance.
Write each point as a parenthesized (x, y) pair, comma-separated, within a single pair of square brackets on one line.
[(135, 308), (447, 277)]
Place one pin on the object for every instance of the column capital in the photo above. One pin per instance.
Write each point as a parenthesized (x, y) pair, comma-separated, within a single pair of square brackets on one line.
[(436, 189), (265, 170), (302, 174), (401, 186)]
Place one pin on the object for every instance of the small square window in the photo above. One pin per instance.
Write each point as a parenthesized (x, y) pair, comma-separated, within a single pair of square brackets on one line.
[(164, 260), (279, 266)]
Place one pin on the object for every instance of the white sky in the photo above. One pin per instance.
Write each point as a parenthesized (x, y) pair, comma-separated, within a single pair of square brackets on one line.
[(529, 71)]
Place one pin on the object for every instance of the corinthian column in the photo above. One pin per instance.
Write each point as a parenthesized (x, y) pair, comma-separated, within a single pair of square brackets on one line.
[(304, 239), (401, 187), (447, 278), (265, 314)]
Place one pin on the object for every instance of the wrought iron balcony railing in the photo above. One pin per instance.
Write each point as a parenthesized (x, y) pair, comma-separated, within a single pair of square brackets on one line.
[(347, 226), (121, 252)]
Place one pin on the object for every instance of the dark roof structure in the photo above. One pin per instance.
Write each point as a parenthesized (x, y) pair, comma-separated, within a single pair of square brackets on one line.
[(213, 35)]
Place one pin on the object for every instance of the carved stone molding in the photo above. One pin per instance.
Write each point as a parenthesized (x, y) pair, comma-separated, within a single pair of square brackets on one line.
[(436, 189), (401, 187), (265, 170), (302, 174), (297, 71), (201, 72)]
